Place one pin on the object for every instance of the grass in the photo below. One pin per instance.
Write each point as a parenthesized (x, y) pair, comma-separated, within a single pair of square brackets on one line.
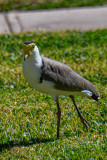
[(8, 5), (28, 119)]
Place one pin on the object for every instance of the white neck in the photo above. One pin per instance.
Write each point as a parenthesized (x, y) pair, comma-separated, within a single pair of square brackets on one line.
[(36, 55)]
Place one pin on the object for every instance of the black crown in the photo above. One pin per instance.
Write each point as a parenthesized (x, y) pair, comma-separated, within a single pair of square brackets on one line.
[(28, 42)]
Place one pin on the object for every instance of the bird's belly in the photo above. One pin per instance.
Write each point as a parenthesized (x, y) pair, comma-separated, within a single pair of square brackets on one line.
[(48, 88), (44, 87)]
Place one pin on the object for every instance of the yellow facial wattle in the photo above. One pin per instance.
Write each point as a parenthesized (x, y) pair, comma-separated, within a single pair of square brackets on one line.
[(28, 49)]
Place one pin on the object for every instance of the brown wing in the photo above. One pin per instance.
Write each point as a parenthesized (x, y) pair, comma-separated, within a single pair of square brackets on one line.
[(64, 77)]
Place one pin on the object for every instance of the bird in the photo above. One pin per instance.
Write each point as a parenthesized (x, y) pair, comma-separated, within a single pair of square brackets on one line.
[(55, 78)]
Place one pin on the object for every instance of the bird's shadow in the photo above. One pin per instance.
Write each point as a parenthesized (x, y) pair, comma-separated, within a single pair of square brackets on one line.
[(11, 144)]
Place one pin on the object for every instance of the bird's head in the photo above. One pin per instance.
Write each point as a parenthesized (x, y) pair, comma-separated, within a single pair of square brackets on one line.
[(28, 47)]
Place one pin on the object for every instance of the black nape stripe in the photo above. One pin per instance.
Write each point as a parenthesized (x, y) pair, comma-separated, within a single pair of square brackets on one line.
[(42, 72), (28, 42)]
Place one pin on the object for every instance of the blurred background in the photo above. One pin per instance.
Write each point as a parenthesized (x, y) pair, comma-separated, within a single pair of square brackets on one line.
[(7, 5)]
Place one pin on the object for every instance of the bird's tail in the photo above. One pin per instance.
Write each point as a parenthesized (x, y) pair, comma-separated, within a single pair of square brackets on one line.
[(95, 97), (91, 91)]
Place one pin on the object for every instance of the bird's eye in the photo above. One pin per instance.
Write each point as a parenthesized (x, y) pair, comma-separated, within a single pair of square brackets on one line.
[(33, 46)]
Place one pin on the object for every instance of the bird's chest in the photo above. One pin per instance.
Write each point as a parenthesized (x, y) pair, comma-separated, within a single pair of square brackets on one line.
[(32, 73)]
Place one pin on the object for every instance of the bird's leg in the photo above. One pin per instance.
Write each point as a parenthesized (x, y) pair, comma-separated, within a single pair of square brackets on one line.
[(58, 122), (84, 121)]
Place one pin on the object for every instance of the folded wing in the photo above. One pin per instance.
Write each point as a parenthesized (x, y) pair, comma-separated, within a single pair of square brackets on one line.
[(65, 78)]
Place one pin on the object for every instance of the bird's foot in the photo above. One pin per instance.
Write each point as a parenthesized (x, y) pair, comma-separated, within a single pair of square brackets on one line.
[(84, 121)]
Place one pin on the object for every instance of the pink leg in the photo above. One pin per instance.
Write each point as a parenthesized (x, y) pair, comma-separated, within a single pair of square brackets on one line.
[(84, 121)]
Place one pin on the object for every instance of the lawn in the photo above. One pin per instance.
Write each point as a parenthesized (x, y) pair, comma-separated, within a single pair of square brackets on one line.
[(28, 119), (8, 5)]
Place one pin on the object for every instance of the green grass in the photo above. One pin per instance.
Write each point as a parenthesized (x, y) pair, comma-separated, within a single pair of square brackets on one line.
[(46, 4), (28, 119)]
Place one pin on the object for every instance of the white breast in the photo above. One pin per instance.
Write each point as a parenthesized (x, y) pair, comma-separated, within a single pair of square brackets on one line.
[(32, 73)]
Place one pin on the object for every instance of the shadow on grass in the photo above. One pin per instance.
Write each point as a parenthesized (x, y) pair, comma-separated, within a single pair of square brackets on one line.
[(11, 144)]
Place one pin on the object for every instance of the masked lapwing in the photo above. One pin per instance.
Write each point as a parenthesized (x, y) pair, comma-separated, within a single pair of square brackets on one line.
[(55, 78)]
